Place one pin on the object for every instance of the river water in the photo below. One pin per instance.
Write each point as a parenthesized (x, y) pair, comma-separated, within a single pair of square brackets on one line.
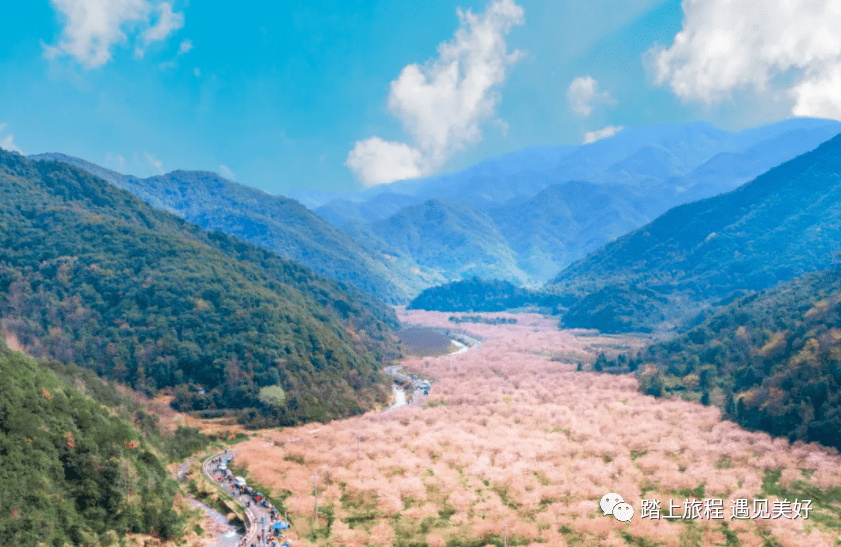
[(217, 527)]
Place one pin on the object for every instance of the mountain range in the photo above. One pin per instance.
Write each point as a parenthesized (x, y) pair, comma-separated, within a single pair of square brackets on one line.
[(521, 217), (782, 224), (526, 215), (279, 224)]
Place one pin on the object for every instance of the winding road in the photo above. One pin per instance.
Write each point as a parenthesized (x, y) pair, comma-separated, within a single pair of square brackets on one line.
[(258, 519)]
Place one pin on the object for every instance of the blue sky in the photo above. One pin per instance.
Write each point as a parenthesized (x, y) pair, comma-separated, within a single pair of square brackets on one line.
[(340, 94)]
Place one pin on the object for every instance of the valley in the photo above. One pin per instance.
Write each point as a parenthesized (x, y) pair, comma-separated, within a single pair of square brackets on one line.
[(515, 434), (451, 274)]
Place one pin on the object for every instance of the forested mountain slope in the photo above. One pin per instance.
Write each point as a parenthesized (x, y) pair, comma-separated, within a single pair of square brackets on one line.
[(276, 223), (782, 224), (566, 220), (771, 360), (449, 240), (72, 470), (475, 295), (90, 274)]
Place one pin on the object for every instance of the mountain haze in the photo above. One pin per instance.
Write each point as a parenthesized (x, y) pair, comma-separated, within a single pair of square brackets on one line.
[(451, 240), (553, 205)]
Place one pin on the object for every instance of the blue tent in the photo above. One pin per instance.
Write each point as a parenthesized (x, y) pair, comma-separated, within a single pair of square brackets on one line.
[(282, 525)]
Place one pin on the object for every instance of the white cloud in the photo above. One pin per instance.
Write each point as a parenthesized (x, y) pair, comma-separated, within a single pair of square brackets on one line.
[(820, 95), (7, 142), (93, 27), (443, 102), (376, 161), (793, 46), (185, 46), (197, 72), (503, 126), (154, 162), (583, 92), (226, 172), (609, 131), (168, 22)]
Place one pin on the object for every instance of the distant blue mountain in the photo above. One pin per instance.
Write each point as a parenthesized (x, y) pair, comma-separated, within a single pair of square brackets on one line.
[(784, 223), (622, 182)]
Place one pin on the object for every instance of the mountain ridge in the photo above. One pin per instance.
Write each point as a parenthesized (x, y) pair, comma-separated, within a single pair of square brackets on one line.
[(647, 170), (784, 223), (276, 223)]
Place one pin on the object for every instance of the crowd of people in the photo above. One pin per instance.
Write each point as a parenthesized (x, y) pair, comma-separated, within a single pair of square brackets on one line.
[(271, 535)]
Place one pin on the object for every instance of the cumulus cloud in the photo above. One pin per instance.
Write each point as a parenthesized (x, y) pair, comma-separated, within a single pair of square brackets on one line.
[(443, 102), (376, 161), (583, 92), (93, 27), (226, 172), (792, 46), (168, 22), (7, 140), (609, 131)]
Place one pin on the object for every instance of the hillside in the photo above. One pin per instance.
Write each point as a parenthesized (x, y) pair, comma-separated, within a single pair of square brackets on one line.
[(72, 470), (92, 275), (276, 223), (784, 223), (771, 361), (450, 240), (472, 295), (566, 220)]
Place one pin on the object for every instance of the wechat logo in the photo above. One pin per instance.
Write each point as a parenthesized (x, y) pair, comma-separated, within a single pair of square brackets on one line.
[(613, 504)]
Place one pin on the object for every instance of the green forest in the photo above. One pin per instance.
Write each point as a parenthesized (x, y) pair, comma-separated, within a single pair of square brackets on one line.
[(770, 360), (73, 469), (93, 276), (473, 295)]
